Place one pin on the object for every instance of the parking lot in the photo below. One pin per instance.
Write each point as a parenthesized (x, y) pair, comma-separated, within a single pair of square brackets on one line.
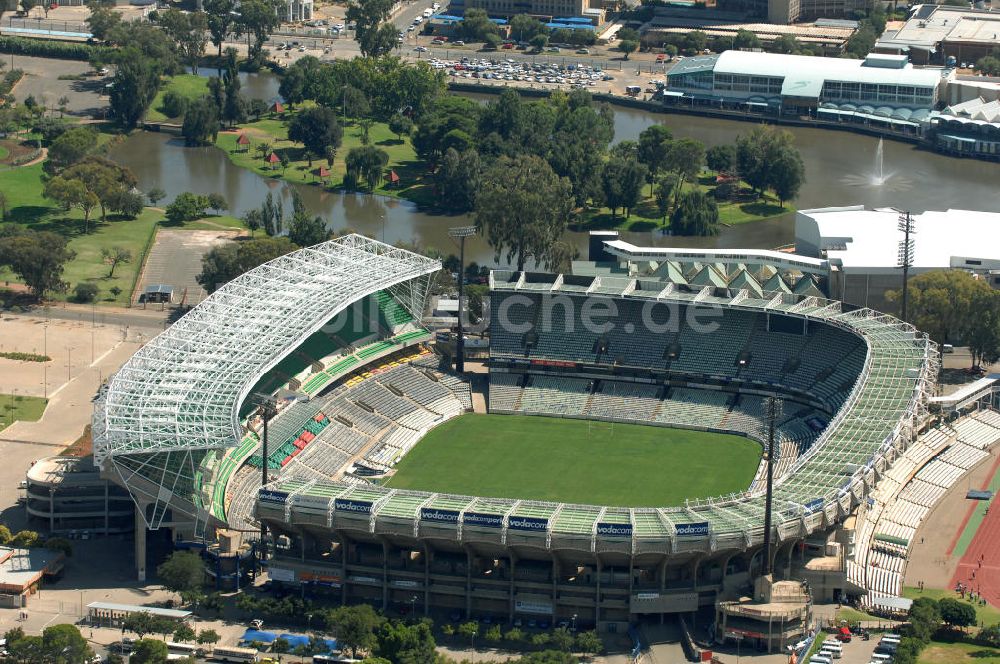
[(175, 259)]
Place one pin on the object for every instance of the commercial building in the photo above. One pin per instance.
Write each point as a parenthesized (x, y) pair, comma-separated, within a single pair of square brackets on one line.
[(830, 35), (935, 33), (792, 11), (545, 9), (880, 86), (23, 570)]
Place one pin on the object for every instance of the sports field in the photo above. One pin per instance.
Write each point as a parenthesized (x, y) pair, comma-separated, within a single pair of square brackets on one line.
[(546, 458)]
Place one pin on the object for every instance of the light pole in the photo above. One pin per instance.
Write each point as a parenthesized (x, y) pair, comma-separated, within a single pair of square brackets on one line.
[(773, 411), (461, 232), (267, 409), (905, 257)]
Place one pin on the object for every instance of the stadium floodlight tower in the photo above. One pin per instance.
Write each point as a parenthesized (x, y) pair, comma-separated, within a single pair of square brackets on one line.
[(268, 408), (461, 232), (772, 410), (907, 224)]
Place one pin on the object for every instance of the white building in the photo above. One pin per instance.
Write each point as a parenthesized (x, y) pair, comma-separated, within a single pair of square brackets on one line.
[(862, 247), (298, 10)]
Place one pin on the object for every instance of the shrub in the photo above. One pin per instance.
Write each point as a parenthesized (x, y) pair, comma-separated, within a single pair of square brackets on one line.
[(85, 292), (174, 104), (54, 49)]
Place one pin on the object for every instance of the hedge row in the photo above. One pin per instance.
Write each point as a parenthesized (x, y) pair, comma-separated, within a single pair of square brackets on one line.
[(45, 48), (9, 80)]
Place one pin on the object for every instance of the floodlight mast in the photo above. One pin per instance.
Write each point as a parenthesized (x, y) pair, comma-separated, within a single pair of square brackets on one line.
[(268, 408), (772, 408), (907, 224), (461, 232)]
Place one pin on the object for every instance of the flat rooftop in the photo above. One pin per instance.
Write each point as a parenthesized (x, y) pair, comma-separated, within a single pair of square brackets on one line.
[(930, 25), (22, 568), (858, 238)]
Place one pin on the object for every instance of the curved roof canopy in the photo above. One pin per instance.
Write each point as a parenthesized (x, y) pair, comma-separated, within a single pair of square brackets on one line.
[(182, 391)]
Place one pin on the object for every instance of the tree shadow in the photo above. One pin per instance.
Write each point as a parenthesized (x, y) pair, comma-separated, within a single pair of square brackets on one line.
[(391, 141)]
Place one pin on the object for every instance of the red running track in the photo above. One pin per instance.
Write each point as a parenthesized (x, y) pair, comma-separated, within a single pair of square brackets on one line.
[(979, 568)]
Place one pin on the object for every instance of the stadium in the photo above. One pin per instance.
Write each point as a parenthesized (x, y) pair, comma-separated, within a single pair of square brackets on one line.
[(618, 476)]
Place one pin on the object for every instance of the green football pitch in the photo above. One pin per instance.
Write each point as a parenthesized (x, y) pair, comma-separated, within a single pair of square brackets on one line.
[(577, 461)]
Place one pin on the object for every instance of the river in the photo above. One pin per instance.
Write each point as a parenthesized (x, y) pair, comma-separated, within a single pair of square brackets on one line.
[(839, 168)]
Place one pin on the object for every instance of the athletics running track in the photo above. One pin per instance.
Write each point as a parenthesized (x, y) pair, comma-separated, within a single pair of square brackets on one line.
[(979, 568)]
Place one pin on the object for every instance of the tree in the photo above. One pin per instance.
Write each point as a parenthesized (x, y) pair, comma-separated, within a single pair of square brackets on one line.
[(561, 639), (400, 642), (355, 627), (304, 230), (257, 20), (63, 644), (125, 202), (228, 261), (956, 613), (183, 573), (60, 544), (786, 44), (538, 42), (695, 42), (588, 643), (102, 20), (366, 162), (788, 173), (221, 16), (85, 292), (943, 303), (115, 256), (523, 207), (628, 46), (654, 143), (746, 41), (187, 30), (208, 637), (201, 122), (368, 17), (458, 179), (134, 85), (400, 125), (103, 178), (155, 195), (580, 139), (721, 158), (695, 214), (149, 651), (72, 194), (186, 207), (139, 622), (476, 25), (184, 632), (37, 258), (70, 147), (621, 181), (666, 193), (253, 220), (469, 629), (316, 128), (354, 102), (523, 27), (756, 151)]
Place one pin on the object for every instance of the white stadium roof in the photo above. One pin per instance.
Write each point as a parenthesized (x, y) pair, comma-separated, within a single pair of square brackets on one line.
[(183, 390), (868, 240)]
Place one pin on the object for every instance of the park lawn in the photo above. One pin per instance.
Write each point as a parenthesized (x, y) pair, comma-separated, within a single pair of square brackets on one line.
[(191, 86), (27, 206), (578, 461), (985, 615), (853, 615), (646, 215), (14, 407), (4, 152), (938, 652), (274, 131)]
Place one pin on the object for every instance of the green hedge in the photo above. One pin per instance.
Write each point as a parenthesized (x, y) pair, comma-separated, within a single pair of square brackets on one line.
[(46, 48)]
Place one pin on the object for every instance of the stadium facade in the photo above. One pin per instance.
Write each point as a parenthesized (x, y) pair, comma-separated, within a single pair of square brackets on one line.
[(176, 427)]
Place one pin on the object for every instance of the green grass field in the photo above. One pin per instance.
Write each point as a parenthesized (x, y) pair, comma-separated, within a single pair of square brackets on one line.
[(274, 131), (986, 615), (19, 407), (188, 85), (545, 458), (957, 653)]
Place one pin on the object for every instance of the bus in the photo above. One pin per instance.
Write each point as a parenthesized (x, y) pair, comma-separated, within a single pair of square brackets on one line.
[(186, 649), (331, 659), (234, 654)]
